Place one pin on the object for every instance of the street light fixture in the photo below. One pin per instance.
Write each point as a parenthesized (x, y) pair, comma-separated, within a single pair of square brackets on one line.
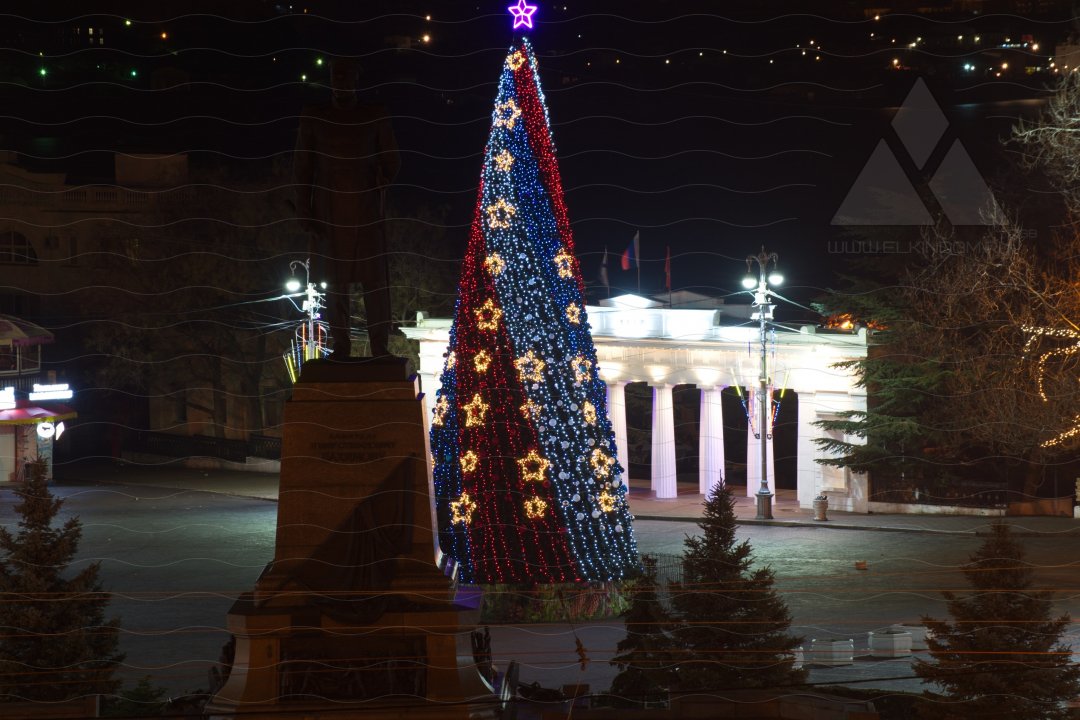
[(759, 286), (311, 305)]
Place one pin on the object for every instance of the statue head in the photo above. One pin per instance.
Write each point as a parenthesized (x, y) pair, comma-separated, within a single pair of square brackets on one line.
[(344, 80)]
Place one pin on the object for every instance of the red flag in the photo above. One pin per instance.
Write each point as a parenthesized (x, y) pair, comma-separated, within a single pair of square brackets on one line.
[(603, 272), (667, 269), (631, 256)]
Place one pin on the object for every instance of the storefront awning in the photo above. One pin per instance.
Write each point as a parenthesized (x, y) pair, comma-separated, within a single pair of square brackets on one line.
[(22, 333), (33, 414)]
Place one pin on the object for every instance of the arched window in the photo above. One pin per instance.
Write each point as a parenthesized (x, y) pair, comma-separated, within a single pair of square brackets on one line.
[(15, 249)]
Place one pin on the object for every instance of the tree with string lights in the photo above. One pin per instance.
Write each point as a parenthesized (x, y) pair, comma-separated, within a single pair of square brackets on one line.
[(528, 487)]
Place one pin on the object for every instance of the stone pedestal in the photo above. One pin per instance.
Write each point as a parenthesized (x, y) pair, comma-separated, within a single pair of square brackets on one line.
[(831, 652), (355, 608), (891, 643)]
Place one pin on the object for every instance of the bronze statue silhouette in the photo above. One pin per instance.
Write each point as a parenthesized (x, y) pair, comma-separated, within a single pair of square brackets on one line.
[(345, 158)]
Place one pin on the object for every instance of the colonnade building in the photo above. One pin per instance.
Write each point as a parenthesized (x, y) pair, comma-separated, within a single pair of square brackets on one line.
[(712, 348)]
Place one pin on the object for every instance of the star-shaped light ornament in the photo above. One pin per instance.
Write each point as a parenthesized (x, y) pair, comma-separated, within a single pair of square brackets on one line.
[(488, 316), (533, 467), (530, 368), (535, 507), (506, 114), (582, 368), (522, 14), (469, 461), (451, 360), (462, 509), (515, 60), (530, 409), (606, 501), (442, 406), (573, 313), (589, 411), (500, 213), (504, 161), (494, 264), (564, 261), (481, 361), (474, 411), (601, 463)]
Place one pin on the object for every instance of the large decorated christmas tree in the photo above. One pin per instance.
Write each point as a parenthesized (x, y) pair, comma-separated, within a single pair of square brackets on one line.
[(528, 487)]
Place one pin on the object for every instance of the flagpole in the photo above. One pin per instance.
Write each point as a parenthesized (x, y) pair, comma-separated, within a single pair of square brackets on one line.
[(667, 274)]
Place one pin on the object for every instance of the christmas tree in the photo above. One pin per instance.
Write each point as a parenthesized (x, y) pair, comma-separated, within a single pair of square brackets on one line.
[(528, 487), (648, 658), (733, 624), (1002, 655), (55, 643)]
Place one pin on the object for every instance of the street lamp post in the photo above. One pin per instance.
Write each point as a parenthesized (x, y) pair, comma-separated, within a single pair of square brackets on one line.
[(311, 306), (760, 287)]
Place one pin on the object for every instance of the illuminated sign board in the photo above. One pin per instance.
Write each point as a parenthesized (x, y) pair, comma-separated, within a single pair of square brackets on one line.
[(7, 398), (51, 392)]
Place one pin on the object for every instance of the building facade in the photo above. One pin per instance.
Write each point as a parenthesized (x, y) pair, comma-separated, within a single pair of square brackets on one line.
[(637, 340), (132, 278)]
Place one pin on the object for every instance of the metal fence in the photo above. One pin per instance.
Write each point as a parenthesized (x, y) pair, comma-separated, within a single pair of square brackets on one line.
[(169, 445), (669, 570)]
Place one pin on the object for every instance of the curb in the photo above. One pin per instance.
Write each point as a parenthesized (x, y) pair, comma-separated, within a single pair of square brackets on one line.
[(824, 525)]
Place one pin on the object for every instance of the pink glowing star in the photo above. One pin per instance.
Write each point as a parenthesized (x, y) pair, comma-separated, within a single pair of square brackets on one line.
[(522, 13)]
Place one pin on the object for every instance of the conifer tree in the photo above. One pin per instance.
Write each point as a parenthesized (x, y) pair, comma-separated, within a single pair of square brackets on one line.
[(647, 657), (733, 625), (54, 641), (528, 486), (1001, 655)]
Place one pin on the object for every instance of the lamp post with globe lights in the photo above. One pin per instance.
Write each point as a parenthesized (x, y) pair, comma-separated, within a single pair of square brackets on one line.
[(313, 334), (758, 285)]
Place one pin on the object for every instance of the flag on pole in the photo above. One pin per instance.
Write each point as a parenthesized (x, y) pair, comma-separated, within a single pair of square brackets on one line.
[(667, 269), (603, 273), (631, 257)]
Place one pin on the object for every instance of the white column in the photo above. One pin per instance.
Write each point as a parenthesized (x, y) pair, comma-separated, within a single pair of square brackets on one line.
[(710, 441), (663, 443), (616, 405), (808, 473), (753, 462), (429, 386)]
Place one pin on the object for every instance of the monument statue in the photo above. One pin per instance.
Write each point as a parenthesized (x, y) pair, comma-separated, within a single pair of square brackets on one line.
[(345, 158)]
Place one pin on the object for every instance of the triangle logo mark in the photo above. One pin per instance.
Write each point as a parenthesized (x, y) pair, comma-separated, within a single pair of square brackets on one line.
[(960, 189), (882, 195)]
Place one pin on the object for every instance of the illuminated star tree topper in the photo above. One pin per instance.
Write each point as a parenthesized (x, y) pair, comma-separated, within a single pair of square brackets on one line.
[(522, 14)]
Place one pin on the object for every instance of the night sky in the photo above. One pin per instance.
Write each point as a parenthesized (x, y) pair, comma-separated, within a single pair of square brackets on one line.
[(712, 129)]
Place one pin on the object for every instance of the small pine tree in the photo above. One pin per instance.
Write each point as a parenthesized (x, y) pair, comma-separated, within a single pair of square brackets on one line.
[(646, 658), (144, 700), (1001, 656), (733, 626), (54, 641)]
